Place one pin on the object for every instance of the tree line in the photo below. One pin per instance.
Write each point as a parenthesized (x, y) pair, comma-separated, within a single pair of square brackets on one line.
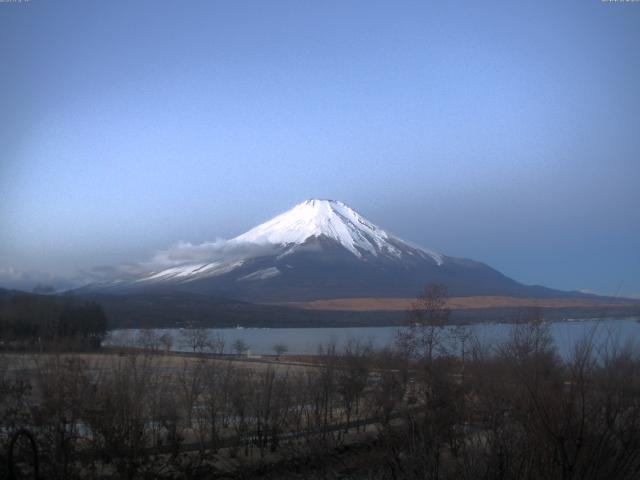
[(30, 320)]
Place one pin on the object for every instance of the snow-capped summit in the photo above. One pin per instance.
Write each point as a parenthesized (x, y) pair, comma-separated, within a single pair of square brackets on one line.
[(318, 249), (333, 220)]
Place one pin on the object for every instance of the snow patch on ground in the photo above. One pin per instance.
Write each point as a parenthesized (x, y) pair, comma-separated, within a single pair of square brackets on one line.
[(260, 275)]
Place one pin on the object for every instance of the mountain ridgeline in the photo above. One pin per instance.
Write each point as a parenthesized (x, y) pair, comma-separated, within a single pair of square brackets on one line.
[(323, 249)]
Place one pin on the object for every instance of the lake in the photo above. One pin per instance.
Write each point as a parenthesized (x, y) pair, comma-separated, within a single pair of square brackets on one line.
[(307, 340)]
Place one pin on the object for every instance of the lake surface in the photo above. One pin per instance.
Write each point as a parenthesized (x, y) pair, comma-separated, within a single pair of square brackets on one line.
[(306, 340)]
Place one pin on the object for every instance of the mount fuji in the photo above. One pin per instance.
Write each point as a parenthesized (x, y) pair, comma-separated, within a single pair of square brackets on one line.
[(323, 249)]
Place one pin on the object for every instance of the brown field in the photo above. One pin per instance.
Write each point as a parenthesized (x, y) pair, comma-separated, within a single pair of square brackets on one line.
[(167, 362), (367, 304)]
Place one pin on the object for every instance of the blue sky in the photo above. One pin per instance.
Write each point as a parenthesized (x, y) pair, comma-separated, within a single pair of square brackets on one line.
[(506, 132)]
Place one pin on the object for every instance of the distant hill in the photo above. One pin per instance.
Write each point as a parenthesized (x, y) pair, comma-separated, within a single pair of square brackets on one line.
[(183, 309)]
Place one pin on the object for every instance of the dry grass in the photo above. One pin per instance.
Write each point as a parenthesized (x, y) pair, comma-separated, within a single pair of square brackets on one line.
[(27, 363), (368, 304)]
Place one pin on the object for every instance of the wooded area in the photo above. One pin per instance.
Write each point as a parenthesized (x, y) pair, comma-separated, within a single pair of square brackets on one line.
[(29, 321)]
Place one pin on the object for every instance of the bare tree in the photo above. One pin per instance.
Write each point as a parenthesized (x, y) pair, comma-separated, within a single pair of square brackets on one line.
[(148, 339), (427, 317), (240, 346), (218, 381), (166, 342), (195, 339), (279, 349), (216, 344), (353, 377), (240, 402), (190, 381), (465, 339), (117, 411), (63, 384), (388, 389)]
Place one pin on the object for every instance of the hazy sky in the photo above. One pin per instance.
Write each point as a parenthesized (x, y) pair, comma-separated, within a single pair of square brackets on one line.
[(507, 132)]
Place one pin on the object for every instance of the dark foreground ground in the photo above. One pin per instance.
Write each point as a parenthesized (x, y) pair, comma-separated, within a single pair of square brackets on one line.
[(412, 412)]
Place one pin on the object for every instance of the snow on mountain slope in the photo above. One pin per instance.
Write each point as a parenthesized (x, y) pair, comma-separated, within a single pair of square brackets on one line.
[(330, 219), (292, 231), (191, 270)]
